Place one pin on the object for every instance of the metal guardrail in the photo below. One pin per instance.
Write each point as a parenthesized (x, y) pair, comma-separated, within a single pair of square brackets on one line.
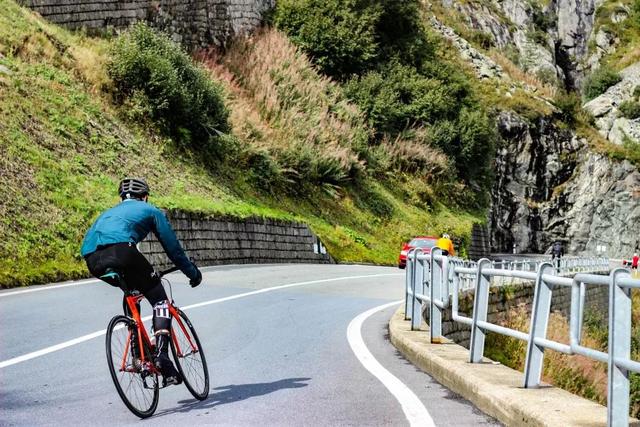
[(436, 280)]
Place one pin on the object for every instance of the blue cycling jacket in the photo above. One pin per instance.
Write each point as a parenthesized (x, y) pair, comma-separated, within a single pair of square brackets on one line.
[(131, 221)]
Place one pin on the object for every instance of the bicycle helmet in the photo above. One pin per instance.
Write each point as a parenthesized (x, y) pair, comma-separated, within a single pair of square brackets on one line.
[(130, 188), (445, 235)]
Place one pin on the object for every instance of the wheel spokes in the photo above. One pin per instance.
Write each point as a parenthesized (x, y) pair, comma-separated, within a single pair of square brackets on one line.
[(130, 380)]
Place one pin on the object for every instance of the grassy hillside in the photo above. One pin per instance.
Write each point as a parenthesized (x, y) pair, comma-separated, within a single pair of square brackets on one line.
[(65, 143)]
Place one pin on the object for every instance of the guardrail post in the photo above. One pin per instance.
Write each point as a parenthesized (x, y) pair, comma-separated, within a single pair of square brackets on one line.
[(480, 307), (619, 348), (408, 281), (418, 287), (436, 279), (582, 295), (575, 321), (539, 319)]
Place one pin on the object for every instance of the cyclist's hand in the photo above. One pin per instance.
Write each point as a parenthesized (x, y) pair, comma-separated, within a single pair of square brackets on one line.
[(197, 280)]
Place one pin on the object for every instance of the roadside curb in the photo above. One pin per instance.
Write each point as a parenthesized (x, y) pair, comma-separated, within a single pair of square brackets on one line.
[(494, 388)]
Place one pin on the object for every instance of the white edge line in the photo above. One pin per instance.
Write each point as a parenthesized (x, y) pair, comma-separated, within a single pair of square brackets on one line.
[(97, 334), (413, 408), (48, 287)]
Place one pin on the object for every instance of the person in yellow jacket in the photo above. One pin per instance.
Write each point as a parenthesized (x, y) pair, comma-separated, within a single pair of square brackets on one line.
[(446, 245)]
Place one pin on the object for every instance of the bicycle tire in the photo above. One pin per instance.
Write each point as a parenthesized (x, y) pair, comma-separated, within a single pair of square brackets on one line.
[(193, 369), (130, 395)]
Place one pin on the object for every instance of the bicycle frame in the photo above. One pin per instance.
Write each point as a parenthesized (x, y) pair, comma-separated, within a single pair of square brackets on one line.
[(132, 302), (174, 314), (143, 337)]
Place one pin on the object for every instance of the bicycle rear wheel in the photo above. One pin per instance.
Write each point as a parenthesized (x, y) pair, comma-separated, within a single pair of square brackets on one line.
[(137, 388), (189, 357)]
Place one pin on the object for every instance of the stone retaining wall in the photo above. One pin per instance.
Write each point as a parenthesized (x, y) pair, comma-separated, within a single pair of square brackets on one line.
[(480, 244), (194, 23), (214, 241), (505, 298)]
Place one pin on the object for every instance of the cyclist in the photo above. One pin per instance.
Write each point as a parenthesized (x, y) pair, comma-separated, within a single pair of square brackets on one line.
[(557, 251), (111, 242), (446, 245)]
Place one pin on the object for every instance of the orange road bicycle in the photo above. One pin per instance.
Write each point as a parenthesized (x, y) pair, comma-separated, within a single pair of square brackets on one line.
[(130, 353)]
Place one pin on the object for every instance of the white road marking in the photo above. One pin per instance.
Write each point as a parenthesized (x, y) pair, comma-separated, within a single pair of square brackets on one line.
[(48, 287), (413, 408), (38, 288), (97, 334)]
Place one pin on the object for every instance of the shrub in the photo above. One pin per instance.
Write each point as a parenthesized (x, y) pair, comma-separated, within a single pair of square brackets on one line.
[(399, 97), (599, 81), (542, 21), (156, 77), (346, 37), (482, 39), (477, 138), (337, 34), (630, 109), (569, 105)]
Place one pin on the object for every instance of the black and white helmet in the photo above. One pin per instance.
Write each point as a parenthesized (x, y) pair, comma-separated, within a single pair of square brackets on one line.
[(131, 188)]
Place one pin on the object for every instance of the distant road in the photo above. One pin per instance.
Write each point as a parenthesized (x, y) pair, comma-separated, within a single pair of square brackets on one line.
[(275, 337)]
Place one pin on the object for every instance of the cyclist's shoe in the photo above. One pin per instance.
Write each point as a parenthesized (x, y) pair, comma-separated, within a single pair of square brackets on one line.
[(170, 375)]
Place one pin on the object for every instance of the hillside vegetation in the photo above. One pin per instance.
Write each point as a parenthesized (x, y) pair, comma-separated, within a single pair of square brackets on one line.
[(294, 147)]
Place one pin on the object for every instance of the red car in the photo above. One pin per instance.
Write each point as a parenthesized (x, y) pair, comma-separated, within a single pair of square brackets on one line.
[(424, 242)]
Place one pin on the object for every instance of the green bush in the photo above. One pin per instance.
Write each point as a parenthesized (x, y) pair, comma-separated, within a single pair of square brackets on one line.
[(346, 37), (156, 78), (569, 105), (630, 109), (477, 138), (482, 39), (337, 34), (399, 97), (599, 81)]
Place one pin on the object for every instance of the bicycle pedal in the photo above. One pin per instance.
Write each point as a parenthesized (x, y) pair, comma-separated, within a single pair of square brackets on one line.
[(145, 384)]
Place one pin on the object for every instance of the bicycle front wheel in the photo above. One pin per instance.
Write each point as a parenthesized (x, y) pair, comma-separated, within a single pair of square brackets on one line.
[(138, 388), (189, 357)]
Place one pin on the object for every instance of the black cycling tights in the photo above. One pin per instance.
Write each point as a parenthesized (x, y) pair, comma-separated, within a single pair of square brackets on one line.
[(132, 266)]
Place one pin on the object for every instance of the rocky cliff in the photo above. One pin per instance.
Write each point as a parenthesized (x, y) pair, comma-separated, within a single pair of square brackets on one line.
[(606, 108), (549, 40), (549, 186)]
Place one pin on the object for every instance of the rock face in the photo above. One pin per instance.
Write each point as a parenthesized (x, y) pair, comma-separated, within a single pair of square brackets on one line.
[(603, 201), (484, 66), (605, 108), (549, 186), (550, 41), (575, 20), (198, 23), (533, 162), (510, 26)]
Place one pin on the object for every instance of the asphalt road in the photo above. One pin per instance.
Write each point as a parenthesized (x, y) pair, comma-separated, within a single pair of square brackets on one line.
[(278, 357)]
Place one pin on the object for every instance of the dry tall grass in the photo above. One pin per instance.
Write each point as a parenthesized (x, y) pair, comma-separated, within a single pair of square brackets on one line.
[(415, 157), (297, 107), (577, 374), (516, 73), (280, 104)]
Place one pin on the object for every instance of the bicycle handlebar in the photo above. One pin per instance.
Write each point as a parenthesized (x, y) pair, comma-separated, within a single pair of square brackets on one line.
[(170, 270), (174, 268)]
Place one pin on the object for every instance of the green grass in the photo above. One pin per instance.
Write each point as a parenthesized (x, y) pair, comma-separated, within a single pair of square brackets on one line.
[(64, 146)]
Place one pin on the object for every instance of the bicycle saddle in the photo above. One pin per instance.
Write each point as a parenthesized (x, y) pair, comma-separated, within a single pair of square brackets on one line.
[(114, 278)]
